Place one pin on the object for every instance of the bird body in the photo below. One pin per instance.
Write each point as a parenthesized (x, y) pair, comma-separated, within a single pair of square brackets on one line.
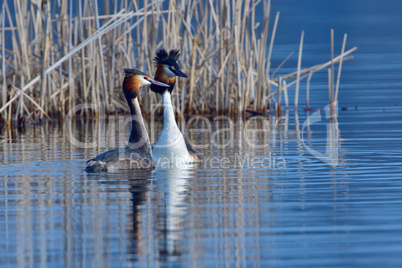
[(137, 154), (120, 159), (170, 146)]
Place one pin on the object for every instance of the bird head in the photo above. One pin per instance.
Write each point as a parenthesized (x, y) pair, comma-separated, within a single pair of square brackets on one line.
[(134, 79), (167, 69)]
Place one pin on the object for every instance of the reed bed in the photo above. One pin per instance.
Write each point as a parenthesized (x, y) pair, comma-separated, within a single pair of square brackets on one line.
[(59, 54)]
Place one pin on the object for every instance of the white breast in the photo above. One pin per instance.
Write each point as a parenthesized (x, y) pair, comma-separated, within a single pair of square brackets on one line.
[(170, 149)]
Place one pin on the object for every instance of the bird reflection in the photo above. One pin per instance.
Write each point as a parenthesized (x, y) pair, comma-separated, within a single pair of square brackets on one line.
[(138, 190), (171, 211), (159, 215)]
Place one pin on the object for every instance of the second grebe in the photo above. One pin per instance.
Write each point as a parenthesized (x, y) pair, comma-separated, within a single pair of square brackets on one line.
[(137, 154), (170, 145)]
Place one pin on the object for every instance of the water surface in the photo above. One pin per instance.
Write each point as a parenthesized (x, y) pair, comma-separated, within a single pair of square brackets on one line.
[(288, 209)]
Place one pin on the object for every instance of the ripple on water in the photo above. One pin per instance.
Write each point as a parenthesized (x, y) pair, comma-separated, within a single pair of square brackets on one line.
[(307, 211)]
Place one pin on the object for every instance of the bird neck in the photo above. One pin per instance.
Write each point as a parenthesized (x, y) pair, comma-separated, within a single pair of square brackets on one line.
[(169, 120), (139, 138)]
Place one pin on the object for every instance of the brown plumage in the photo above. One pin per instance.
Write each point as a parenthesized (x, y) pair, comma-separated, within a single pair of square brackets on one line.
[(131, 85), (161, 76)]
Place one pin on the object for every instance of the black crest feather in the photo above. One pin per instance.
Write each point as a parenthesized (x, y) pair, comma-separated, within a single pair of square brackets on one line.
[(174, 54), (163, 57), (128, 72)]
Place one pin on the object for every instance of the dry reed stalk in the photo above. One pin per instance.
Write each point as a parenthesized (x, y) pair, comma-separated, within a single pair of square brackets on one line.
[(192, 76), (331, 87), (279, 106), (3, 55), (330, 82), (112, 59), (340, 67), (285, 93), (83, 69), (261, 55), (15, 46), (101, 59), (248, 81), (64, 27), (69, 46), (279, 67), (220, 82), (243, 19), (21, 30), (308, 89), (8, 104), (271, 45), (299, 59), (239, 82), (31, 100), (21, 103), (45, 56), (319, 67)]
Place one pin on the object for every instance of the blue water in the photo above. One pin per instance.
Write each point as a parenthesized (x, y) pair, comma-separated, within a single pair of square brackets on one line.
[(321, 194), (373, 78), (287, 208)]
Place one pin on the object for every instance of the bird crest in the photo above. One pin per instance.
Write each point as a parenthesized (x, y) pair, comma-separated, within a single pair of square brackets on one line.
[(163, 57), (128, 72)]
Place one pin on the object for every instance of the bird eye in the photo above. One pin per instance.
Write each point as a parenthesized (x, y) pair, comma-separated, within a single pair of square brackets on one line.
[(172, 68), (146, 78)]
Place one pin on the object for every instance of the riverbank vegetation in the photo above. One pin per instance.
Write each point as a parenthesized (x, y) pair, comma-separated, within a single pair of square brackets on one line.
[(56, 55)]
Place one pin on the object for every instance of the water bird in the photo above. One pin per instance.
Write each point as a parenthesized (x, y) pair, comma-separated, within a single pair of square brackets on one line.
[(170, 146), (137, 154)]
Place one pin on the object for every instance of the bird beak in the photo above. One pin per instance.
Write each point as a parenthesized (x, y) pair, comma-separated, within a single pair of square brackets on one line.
[(179, 73), (158, 83)]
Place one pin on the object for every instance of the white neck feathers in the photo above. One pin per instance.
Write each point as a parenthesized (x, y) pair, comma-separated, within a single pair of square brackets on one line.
[(169, 121)]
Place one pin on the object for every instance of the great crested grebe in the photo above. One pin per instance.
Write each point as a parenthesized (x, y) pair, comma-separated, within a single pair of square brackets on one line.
[(170, 146), (137, 154)]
